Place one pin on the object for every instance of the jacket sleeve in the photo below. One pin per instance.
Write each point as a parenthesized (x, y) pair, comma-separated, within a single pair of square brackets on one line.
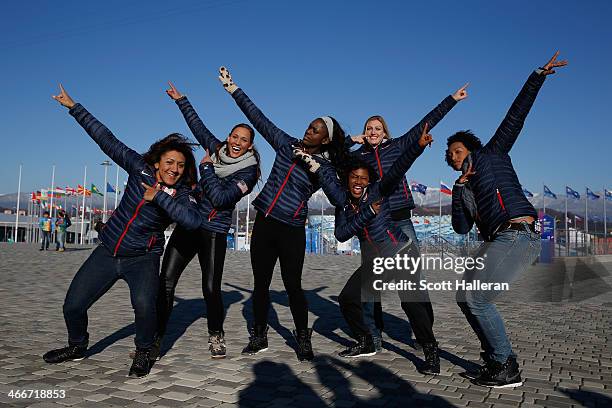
[(509, 129), (273, 135), (125, 157), (331, 185), (462, 221), (432, 118), (348, 223), (224, 195), (401, 165), (182, 208), (197, 127)]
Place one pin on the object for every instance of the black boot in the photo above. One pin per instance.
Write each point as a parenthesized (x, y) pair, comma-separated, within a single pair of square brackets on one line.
[(432, 359), (258, 341), (363, 348), (500, 375), (142, 363), (481, 371), (304, 345), (70, 353)]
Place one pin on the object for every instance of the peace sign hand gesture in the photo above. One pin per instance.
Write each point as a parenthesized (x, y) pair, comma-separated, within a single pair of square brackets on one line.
[(465, 177), (426, 138), (173, 92), (461, 93), (548, 69), (226, 79), (63, 98)]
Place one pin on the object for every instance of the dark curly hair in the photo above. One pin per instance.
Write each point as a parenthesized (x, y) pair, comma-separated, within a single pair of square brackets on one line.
[(335, 148), (353, 164), (179, 143), (469, 140)]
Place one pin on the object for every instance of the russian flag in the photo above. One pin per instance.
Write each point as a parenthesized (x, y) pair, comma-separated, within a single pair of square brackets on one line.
[(445, 190)]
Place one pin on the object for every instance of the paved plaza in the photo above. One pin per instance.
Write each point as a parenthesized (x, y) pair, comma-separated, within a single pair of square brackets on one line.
[(561, 333)]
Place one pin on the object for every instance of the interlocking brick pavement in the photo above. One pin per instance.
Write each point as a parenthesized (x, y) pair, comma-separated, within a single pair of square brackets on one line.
[(563, 347)]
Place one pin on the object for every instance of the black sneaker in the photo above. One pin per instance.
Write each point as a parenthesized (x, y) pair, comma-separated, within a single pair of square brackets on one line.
[(304, 345), (141, 365), (154, 353), (481, 370), (364, 348), (70, 353), (432, 359), (500, 375), (216, 344), (258, 341)]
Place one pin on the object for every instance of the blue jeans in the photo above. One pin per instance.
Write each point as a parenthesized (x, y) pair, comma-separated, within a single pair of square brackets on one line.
[(46, 239), (97, 275), (509, 254), (408, 229), (60, 239)]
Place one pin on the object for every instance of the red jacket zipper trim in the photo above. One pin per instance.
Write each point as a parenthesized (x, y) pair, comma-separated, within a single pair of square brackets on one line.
[(501, 202), (298, 210), (392, 237), (125, 230), (405, 189), (378, 161), (367, 234), (280, 190), (151, 241), (212, 214)]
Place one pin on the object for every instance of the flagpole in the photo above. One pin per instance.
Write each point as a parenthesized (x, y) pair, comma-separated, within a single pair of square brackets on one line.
[(543, 201), (586, 219), (440, 218), (246, 237), (83, 213), (117, 187), (566, 230), (236, 232), (105, 163), (605, 221), (17, 214)]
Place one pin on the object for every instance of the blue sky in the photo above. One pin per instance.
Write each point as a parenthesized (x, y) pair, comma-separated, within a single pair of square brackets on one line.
[(300, 60)]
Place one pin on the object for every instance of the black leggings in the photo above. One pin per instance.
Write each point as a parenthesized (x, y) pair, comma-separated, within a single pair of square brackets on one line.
[(182, 247), (274, 240), (415, 304)]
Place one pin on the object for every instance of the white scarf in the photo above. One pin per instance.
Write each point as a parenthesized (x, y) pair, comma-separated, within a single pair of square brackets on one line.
[(225, 165)]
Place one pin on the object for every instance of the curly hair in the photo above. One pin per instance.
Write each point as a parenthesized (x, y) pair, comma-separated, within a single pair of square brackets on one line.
[(179, 143), (469, 140), (353, 164)]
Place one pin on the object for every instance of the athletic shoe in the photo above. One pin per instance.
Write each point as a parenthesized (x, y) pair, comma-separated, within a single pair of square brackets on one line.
[(500, 375), (70, 353), (154, 353), (480, 371), (141, 365), (363, 348), (304, 345), (216, 344), (432, 359), (258, 341)]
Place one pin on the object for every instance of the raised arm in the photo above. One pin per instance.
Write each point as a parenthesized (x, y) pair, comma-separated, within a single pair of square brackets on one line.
[(125, 157), (349, 223), (225, 195), (509, 129), (197, 127), (273, 135), (432, 118)]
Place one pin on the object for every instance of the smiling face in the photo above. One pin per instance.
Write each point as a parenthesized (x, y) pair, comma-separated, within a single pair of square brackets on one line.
[(358, 179), (374, 132), (316, 134), (457, 152), (170, 167), (239, 142)]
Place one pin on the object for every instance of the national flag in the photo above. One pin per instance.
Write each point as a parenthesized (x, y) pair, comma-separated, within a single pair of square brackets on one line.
[(569, 192), (592, 195), (548, 193), (445, 190), (109, 188), (527, 193), (608, 194), (95, 190), (70, 191), (418, 188), (81, 191)]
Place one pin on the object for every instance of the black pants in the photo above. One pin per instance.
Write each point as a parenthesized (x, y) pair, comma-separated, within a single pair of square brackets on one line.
[(416, 305), (182, 247), (97, 275), (274, 240)]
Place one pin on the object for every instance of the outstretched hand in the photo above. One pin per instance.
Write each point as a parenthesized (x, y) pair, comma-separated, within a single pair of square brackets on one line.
[(461, 93), (425, 139), (550, 66), (173, 92), (63, 98), (150, 191), (206, 159), (359, 139), (311, 164), (465, 177), (226, 79)]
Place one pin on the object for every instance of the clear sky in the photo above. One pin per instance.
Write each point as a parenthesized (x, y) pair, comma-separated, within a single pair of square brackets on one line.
[(300, 60)]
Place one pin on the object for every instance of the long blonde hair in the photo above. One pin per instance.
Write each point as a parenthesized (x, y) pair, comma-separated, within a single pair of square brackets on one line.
[(381, 120)]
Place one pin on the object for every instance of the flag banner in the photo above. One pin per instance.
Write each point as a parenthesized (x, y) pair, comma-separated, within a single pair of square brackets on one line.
[(608, 194), (548, 193), (569, 192), (109, 188), (444, 189), (418, 188), (592, 195), (70, 191), (95, 190), (527, 193), (81, 191)]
